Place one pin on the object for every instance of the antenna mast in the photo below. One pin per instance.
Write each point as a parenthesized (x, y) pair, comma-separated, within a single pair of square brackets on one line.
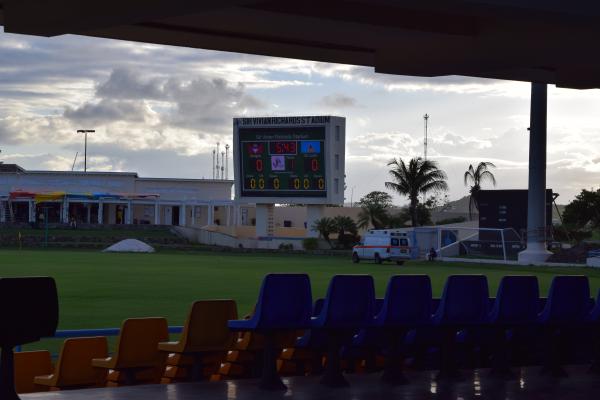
[(226, 161), (426, 118)]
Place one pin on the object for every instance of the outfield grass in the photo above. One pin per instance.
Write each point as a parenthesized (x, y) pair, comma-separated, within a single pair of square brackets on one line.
[(101, 289)]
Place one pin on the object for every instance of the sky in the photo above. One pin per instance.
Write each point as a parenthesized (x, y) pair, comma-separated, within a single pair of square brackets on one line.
[(160, 111)]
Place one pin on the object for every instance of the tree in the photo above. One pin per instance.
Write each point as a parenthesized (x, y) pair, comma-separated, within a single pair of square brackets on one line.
[(374, 209), (584, 209), (325, 226), (344, 225), (417, 177), (475, 177)]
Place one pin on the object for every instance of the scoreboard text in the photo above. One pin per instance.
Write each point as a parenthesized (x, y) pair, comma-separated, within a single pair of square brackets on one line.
[(283, 162)]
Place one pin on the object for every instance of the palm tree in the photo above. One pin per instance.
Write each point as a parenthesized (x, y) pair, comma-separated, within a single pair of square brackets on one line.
[(325, 226), (475, 177), (417, 177), (343, 225)]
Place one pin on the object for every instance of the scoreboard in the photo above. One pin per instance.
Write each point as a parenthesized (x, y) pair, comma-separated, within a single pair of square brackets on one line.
[(289, 159)]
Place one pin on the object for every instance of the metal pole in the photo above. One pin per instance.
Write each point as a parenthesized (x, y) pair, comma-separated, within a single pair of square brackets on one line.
[(503, 244), (226, 161), (426, 118), (85, 153)]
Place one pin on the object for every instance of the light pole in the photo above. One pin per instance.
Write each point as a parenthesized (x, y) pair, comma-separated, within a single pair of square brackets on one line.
[(85, 131)]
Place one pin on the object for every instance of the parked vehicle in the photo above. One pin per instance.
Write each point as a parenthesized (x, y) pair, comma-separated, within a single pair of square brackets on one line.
[(383, 245)]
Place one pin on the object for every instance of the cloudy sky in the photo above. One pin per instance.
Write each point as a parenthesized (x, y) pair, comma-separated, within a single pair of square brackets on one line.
[(160, 111)]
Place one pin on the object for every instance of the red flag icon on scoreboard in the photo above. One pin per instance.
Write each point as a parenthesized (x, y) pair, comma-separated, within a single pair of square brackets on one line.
[(255, 148)]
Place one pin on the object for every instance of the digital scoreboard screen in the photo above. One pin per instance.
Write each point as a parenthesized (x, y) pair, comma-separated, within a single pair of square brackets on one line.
[(282, 162)]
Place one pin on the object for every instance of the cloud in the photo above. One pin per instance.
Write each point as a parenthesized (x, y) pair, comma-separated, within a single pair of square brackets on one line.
[(107, 111), (338, 100)]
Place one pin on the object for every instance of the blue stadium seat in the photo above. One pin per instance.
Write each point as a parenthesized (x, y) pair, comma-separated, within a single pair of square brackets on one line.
[(594, 323), (407, 305), (515, 308), (349, 305), (566, 311), (464, 304), (568, 300), (284, 304)]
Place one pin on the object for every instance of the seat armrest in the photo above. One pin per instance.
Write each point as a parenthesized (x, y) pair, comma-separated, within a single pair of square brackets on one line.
[(108, 362), (45, 380)]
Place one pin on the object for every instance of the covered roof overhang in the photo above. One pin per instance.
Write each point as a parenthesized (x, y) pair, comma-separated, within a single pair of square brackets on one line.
[(546, 41)]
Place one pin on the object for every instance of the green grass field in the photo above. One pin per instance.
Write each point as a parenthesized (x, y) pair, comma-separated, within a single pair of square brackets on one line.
[(99, 290)]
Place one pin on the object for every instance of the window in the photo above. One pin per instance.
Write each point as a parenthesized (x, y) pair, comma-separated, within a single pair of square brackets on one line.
[(337, 133), (403, 242), (337, 161), (336, 185), (394, 242)]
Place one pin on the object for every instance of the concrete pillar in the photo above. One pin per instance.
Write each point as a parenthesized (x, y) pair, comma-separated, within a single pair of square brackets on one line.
[(65, 211), (2, 212), (100, 213), (89, 213), (228, 221), (265, 225), (210, 219), (313, 213), (156, 213), (193, 223), (182, 214), (31, 209), (536, 250), (129, 213)]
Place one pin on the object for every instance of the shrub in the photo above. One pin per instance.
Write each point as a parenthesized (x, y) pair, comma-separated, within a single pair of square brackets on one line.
[(310, 244), (286, 246)]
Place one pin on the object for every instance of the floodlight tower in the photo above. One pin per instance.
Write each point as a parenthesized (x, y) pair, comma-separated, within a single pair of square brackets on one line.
[(213, 163), (426, 118), (85, 131), (226, 161), (222, 165)]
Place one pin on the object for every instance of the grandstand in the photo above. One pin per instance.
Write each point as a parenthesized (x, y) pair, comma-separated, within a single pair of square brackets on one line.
[(515, 334), (348, 339)]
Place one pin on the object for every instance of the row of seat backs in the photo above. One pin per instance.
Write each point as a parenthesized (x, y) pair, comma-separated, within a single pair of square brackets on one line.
[(285, 302)]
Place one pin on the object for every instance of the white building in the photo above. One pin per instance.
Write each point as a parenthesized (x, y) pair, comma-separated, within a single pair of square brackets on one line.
[(112, 198)]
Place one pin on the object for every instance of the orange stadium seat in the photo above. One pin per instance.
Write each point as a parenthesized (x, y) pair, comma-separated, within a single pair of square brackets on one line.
[(204, 341), (74, 367), (28, 364), (137, 358)]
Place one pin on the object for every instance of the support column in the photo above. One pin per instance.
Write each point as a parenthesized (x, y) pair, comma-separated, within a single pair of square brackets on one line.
[(193, 215), (31, 215), (228, 221), (536, 250), (2, 212), (100, 212), (156, 213), (88, 220), (210, 219), (265, 225), (65, 212), (182, 214), (313, 213), (129, 213)]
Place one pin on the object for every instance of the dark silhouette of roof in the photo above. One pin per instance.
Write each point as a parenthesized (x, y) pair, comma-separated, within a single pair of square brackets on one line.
[(10, 168), (535, 40)]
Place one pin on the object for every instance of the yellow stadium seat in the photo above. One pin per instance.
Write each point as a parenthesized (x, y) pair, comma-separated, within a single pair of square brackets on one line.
[(74, 369), (28, 364), (137, 358), (204, 341)]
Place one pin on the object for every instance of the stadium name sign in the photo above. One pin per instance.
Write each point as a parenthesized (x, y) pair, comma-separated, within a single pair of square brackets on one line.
[(307, 120)]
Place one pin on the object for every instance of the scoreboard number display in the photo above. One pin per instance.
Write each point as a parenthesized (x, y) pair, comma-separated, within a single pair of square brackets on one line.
[(283, 162)]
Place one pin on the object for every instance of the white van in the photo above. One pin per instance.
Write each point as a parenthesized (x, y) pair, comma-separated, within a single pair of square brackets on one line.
[(383, 244)]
